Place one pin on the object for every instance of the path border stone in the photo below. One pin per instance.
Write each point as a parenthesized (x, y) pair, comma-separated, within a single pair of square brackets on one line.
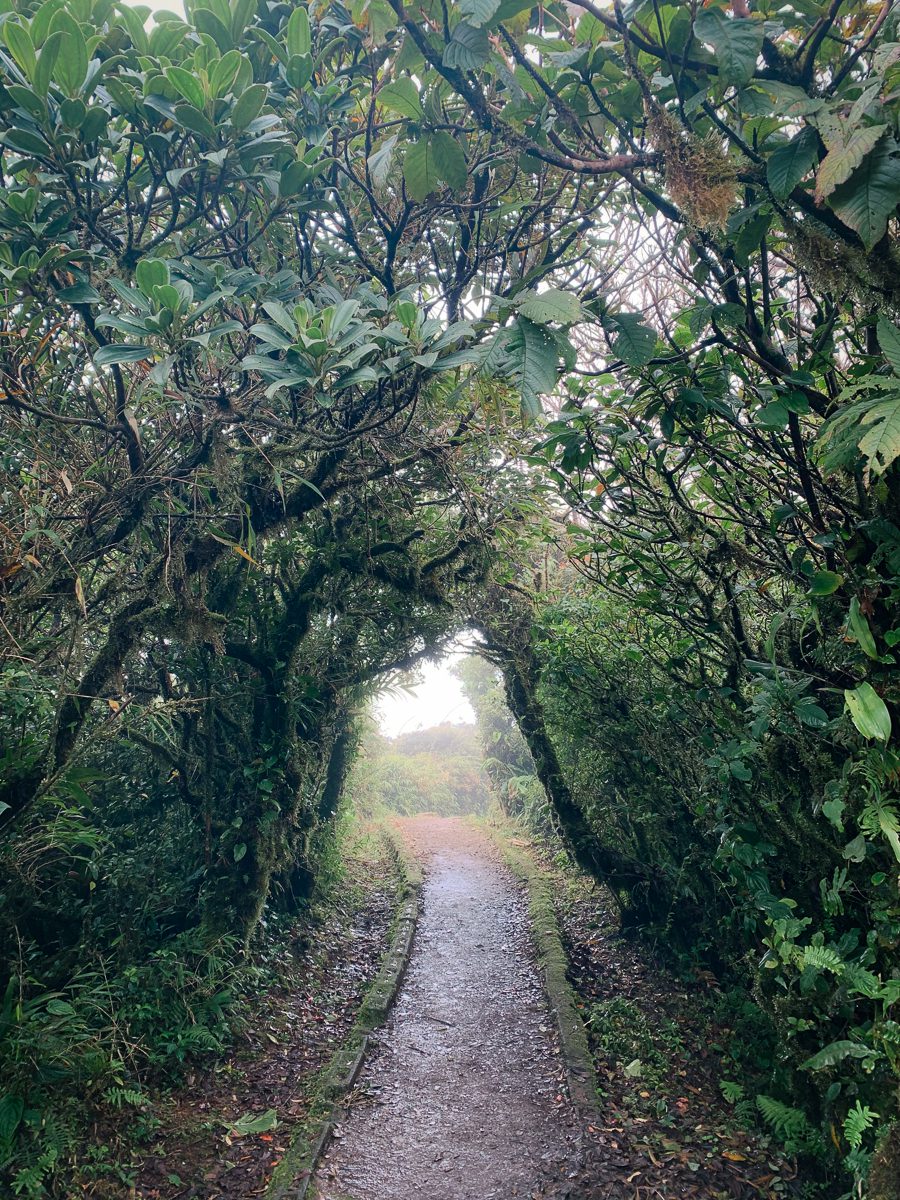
[(292, 1178), (553, 962)]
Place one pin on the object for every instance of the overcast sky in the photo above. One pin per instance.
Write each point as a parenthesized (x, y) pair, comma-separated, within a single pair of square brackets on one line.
[(437, 698)]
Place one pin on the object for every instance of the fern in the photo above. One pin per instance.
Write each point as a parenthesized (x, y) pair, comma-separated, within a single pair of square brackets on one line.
[(118, 1097), (870, 427), (880, 818), (858, 1120), (790, 1125), (823, 958), (733, 1092)]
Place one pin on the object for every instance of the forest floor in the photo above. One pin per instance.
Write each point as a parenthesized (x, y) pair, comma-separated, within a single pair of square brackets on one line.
[(203, 1148), (463, 1094), (464, 1098)]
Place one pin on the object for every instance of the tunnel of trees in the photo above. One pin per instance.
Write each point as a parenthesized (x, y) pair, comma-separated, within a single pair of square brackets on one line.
[(326, 332)]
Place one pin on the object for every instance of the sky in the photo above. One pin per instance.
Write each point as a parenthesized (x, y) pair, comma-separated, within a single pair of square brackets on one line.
[(438, 697)]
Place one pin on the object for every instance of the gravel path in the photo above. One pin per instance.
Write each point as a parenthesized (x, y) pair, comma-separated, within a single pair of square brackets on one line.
[(462, 1099)]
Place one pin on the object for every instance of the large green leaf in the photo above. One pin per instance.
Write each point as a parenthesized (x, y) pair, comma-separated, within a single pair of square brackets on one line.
[(21, 47), (534, 358), (859, 628), (402, 97), (71, 64), (553, 304), (420, 169), (737, 42), (478, 12), (468, 48), (834, 1053), (449, 159), (881, 443), (248, 105), (187, 85), (871, 194), (889, 341), (842, 160), (868, 712), (634, 343), (121, 353), (787, 165), (297, 34)]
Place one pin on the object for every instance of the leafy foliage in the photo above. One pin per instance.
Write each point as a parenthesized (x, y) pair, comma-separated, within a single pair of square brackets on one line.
[(277, 287)]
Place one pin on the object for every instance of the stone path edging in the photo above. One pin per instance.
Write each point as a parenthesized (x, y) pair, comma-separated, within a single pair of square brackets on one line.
[(553, 963), (293, 1176)]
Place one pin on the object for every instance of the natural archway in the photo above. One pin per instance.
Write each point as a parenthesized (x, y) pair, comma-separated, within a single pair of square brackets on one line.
[(326, 332)]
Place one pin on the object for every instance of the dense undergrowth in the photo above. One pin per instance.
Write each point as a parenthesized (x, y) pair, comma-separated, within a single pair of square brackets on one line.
[(326, 332)]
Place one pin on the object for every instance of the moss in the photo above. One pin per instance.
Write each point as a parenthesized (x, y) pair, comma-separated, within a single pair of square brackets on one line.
[(554, 964), (884, 1177), (700, 177), (311, 1138)]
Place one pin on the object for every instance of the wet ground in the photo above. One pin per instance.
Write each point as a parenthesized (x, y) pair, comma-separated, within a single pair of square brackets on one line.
[(462, 1099)]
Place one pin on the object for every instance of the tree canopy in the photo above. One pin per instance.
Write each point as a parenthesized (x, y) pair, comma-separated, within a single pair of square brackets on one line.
[(326, 331)]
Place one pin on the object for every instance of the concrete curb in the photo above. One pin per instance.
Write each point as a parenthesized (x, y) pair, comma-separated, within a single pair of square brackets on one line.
[(553, 964), (292, 1178)]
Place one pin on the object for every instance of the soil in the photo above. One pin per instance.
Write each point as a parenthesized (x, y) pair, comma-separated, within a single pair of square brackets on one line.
[(463, 1098), (291, 1034), (665, 1130)]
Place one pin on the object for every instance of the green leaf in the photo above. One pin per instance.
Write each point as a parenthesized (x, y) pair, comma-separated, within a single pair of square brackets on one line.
[(868, 712), (535, 356), (79, 293), (192, 118), (881, 444), (248, 105), (478, 12), (823, 583), (787, 165), (871, 194), (420, 170), (449, 160), (248, 1123), (45, 64), (298, 35), (207, 22), (60, 1008), (151, 273), (468, 48), (187, 85), (889, 341), (21, 47), (634, 343), (121, 353), (842, 160), (833, 810), (71, 65), (23, 140), (11, 1110), (831, 1055), (224, 72), (402, 97), (858, 626), (552, 304), (239, 851), (736, 41), (380, 163)]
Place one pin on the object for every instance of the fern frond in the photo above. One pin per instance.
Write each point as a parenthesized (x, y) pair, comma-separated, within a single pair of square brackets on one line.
[(823, 958), (858, 1120)]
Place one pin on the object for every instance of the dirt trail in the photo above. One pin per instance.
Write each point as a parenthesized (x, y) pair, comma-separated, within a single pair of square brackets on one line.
[(462, 1099)]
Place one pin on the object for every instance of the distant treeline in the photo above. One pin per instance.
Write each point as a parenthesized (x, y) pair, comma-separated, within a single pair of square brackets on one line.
[(429, 770)]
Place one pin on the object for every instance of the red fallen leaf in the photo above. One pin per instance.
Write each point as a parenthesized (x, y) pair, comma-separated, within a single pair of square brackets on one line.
[(266, 1137)]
